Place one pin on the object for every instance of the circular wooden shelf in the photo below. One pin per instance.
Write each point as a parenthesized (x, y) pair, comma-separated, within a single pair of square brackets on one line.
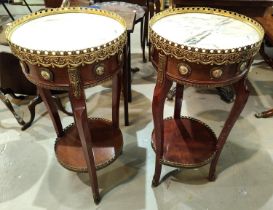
[(188, 143), (107, 145)]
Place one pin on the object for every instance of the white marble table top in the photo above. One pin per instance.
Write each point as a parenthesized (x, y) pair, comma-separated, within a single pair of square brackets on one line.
[(67, 32), (206, 31)]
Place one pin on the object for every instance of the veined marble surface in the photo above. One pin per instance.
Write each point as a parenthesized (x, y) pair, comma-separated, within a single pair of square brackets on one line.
[(206, 31), (67, 32)]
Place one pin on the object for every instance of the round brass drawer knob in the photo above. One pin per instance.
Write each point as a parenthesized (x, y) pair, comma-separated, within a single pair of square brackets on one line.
[(100, 70), (184, 69), (46, 74), (216, 73)]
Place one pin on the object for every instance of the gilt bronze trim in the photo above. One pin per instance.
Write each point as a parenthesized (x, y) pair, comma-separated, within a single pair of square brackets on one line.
[(200, 55), (62, 59)]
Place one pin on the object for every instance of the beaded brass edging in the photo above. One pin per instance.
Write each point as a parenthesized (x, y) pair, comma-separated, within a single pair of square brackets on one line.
[(189, 165), (66, 58), (205, 56), (83, 170)]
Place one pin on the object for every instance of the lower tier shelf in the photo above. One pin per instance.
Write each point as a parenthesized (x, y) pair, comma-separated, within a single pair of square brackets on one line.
[(107, 145), (188, 143)]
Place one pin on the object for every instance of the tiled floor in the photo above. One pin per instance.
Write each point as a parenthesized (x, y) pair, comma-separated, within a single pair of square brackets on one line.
[(32, 179)]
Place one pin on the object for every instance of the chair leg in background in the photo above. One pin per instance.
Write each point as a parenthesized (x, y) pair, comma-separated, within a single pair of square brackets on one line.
[(10, 107), (31, 107)]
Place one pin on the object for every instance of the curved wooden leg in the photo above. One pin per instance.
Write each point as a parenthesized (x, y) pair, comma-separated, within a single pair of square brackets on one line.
[(265, 114), (52, 110), (116, 88), (31, 108), (10, 107), (178, 101), (162, 87), (81, 119), (159, 97), (242, 94), (36, 101), (12, 94), (78, 103)]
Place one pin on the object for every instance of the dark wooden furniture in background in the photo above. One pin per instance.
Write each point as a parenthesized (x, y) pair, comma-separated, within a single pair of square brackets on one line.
[(127, 89), (18, 86), (14, 83), (141, 8), (53, 3), (184, 141), (129, 16), (90, 143), (250, 8), (66, 3), (267, 23)]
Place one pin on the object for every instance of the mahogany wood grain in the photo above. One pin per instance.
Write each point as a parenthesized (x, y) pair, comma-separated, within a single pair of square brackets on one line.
[(106, 145), (81, 119), (242, 94), (87, 72), (200, 74), (116, 89), (187, 143), (88, 145), (52, 110), (160, 93), (53, 3), (178, 101)]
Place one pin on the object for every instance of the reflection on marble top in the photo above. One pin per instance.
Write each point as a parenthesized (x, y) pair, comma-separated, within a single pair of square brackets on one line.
[(206, 31)]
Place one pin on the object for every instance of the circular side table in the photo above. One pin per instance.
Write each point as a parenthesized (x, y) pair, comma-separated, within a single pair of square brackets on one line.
[(57, 53), (202, 47)]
